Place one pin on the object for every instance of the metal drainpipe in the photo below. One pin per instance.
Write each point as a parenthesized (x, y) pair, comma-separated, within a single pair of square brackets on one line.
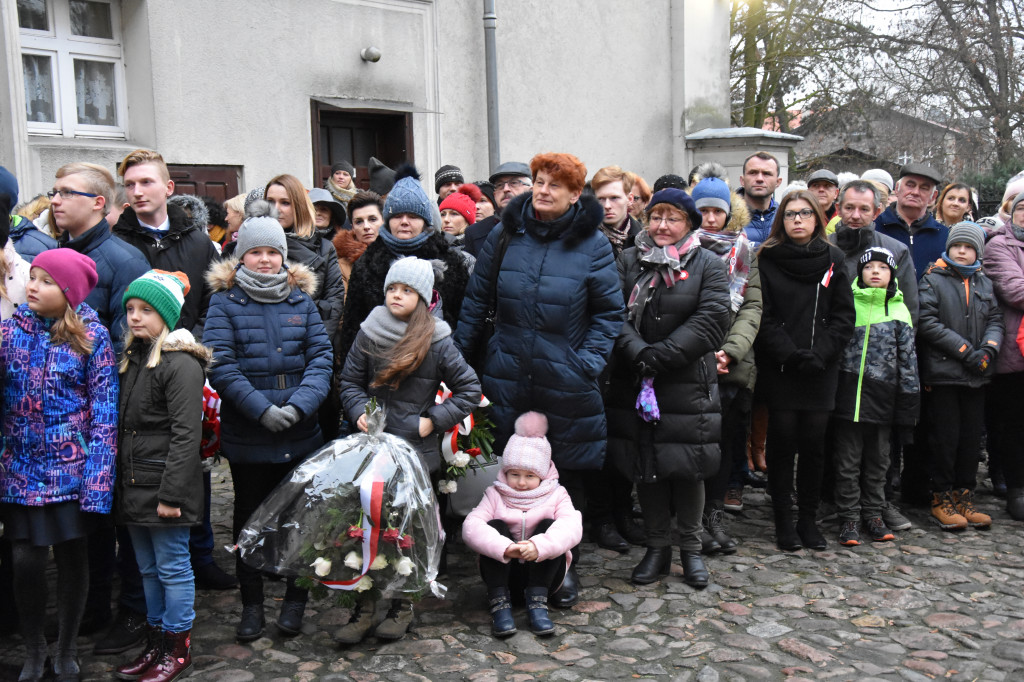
[(491, 65)]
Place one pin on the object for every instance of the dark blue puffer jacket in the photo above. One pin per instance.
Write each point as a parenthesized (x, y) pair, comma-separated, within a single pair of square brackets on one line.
[(926, 238), (267, 354), (559, 311), (29, 240)]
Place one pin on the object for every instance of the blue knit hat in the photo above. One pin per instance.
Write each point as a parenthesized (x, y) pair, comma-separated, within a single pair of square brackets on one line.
[(408, 196), (679, 199), (8, 189), (713, 193)]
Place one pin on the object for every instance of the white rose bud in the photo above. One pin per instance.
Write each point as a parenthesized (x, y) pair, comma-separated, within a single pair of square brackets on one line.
[(365, 583), (403, 566), (322, 566), (452, 487), (379, 562), (353, 561)]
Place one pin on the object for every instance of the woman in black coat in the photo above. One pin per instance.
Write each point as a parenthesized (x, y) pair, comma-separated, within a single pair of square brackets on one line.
[(677, 296), (807, 320)]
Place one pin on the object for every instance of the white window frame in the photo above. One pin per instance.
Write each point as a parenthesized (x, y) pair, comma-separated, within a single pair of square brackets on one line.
[(64, 48)]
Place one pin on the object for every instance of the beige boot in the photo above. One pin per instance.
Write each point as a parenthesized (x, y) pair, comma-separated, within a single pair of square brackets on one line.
[(963, 500), (944, 511), (359, 624), (397, 622)]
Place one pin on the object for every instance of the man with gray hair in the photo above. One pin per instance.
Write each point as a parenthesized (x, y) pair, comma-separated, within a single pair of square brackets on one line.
[(510, 179)]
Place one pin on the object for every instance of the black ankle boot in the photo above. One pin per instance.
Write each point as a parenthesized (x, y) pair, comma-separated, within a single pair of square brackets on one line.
[(631, 531), (786, 537), (606, 535), (289, 621), (708, 544), (809, 534), (252, 623), (715, 526), (569, 593), (502, 622), (695, 572), (656, 563), (537, 607)]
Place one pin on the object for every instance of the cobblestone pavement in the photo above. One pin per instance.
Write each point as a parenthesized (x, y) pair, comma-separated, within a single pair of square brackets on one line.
[(931, 605)]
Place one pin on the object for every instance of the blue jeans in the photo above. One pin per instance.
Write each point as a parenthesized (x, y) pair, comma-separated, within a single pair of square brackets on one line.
[(162, 553)]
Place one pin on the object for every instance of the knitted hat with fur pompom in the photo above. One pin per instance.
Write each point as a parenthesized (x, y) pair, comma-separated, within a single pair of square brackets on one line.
[(528, 448)]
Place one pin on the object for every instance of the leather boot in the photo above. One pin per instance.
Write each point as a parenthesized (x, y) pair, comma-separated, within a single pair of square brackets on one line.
[(695, 572), (397, 621), (252, 623), (786, 537), (630, 530), (810, 536), (715, 526), (569, 593), (145, 660), (1015, 503), (289, 621), (537, 606), (174, 661), (656, 563), (606, 535), (708, 544), (502, 622)]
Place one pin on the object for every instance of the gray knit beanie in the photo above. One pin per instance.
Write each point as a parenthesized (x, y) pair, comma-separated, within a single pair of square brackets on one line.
[(967, 232), (1016, 201), (408, 196), (415, 272), (261, 229)]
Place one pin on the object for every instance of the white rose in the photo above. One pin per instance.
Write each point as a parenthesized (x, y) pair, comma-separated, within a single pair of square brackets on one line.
[(448, 458), (365, 583), (403, 566), (452, 487), (353, 561), (379, 562), (322, 566), (461, 459)]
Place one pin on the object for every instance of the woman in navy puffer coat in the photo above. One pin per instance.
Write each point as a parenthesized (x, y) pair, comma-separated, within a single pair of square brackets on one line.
[(272, 369)]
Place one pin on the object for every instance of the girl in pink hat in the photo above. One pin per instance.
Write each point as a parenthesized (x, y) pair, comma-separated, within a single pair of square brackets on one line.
[(523, 529)]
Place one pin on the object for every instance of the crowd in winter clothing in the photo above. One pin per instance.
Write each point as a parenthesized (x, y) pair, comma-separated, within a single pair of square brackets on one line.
[(625, 338)]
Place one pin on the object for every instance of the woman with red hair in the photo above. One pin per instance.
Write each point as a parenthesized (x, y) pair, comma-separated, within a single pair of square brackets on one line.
[(546, 277)]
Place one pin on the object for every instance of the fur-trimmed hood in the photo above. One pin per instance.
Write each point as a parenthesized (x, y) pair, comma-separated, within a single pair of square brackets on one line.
[(182, 341), (221, 276), (739, 214), (587, 216), (348, 247)]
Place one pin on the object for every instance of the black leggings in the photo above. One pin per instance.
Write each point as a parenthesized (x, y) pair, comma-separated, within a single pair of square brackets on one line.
[(518, 575), (956, 420), (790, 432)]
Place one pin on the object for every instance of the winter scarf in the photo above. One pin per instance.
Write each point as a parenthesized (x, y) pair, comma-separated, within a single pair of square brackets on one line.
[(385, 330), (617, 235), (807, 262), (1018, 232), (849, 239), (665, 264), (403, 247), (342, 195), (964, 271), (524, 499), (734, 250), (263, 288)]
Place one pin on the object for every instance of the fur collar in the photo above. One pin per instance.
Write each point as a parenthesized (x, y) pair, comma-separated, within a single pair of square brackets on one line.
[(586, 222), (182, 341), (221, 276), (739, 214), (347, 246)]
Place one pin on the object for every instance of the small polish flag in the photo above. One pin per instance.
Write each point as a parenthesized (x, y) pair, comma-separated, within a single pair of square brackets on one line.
[(828, 276)]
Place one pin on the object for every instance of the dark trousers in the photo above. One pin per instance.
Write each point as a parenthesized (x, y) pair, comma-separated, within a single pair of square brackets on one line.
[(1006, 426), (253, 483), (657, 501), (609, 495), (736, 403), (200, 540), (517, 575), (790, 432), (861, 458), (576, 483), (956, 420)]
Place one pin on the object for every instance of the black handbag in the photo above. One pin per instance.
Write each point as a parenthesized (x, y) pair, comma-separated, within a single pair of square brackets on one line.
[(480, 356)]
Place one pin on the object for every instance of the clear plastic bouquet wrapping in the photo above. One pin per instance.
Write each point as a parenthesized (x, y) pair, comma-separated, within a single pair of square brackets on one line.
[(357, 517)]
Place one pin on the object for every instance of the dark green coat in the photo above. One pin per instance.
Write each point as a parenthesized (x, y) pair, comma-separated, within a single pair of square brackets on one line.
[(161, 412)]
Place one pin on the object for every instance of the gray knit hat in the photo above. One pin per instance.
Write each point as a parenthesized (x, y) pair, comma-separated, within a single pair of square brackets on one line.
[(408, 196), (1016, 201), (415, 272), (967, 232), (260, 229)]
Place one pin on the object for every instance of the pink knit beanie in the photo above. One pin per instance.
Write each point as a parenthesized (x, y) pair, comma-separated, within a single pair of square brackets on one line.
[(73, 272), (528, 449)]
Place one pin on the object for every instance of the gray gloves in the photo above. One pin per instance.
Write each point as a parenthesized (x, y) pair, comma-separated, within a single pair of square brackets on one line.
[(277, 419)]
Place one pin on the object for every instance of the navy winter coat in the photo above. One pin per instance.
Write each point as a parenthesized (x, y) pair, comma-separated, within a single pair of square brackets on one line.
[(267, 354), (29, 240), (559, 311), (926, 238)]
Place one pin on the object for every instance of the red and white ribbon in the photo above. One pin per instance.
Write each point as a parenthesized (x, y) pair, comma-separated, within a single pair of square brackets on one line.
[(371, 496)]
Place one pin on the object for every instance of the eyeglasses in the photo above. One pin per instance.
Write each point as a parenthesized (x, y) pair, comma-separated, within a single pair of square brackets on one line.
[(656, 220), (805, 214), (68, 193), (511, 184)]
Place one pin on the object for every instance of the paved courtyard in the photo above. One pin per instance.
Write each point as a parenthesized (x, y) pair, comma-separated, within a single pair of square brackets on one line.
[(931, 605)]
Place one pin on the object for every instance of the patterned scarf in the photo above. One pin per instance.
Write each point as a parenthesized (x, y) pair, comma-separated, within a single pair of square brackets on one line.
[(734, 249), (664, 264), (617, 235), (261, 287), (342, 195)]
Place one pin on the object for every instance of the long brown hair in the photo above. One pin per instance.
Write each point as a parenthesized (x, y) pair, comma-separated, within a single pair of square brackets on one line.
[(939, 215), (302, 207), (408, 354), (778, 234), (70, 329)]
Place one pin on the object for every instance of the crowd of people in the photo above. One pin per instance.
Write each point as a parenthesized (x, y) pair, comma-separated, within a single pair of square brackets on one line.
[(854, 338)]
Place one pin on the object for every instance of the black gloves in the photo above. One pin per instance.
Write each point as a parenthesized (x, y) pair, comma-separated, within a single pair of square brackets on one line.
[(645, 364)]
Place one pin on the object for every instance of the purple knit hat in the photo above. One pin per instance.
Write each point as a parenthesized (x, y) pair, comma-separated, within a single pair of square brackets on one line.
[(527, 448), (73, 272)]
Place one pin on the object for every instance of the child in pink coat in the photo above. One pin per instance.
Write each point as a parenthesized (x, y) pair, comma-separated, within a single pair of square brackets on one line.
[(523, 529)]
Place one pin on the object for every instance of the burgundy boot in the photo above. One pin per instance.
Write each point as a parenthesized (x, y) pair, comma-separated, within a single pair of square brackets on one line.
[(175, 661), (145, 660)]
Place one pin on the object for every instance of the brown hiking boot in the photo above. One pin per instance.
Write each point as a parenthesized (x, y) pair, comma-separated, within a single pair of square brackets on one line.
[(963, 500), (359, 624), (944, 511)]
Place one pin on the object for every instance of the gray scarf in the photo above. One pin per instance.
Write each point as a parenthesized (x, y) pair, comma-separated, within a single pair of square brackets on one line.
[(263, 288), (385, 330)]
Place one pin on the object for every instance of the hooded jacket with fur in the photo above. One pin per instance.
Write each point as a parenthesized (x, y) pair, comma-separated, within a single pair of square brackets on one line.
[(161, 426), (559, 310), (267, 354)]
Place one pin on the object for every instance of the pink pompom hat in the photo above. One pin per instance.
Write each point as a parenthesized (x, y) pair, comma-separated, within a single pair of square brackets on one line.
[(528, 448)]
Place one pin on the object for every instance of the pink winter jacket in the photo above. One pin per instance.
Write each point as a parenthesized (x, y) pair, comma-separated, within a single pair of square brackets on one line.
[(564, 534), (1004, 265)]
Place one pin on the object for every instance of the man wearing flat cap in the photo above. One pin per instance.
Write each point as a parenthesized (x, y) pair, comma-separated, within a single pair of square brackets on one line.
[(909, 220), (510, 179)]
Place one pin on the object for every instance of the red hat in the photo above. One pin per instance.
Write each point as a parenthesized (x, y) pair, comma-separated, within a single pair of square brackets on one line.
[(73, 272), (464, 201)]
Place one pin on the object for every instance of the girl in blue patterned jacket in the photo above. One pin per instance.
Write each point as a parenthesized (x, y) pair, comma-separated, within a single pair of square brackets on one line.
[(60, 430)]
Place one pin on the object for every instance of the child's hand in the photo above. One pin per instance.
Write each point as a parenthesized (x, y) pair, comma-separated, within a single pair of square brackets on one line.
[(166, 512), (512, 551), (722, 360), (361, 423), (426, 427), (528, 550)]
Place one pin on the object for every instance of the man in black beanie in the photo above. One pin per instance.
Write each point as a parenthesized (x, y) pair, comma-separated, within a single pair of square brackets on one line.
[(446, 180)]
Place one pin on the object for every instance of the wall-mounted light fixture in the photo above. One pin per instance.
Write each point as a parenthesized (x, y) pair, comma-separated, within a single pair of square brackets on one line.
[(370, 54)]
